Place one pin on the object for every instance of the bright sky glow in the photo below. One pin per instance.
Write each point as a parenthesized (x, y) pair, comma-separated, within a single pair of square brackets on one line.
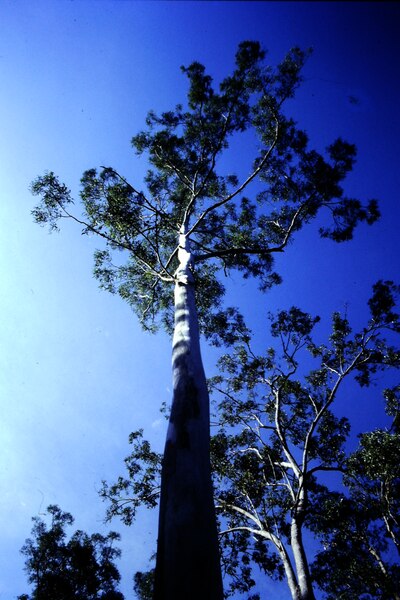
[(77, 79)]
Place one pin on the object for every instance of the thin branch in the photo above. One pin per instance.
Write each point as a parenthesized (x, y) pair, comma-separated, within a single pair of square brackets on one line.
[(259, 251), (278, 545), (241, 187), (146, 202), (108, 238), (241, 511), (281, 436), (213, 157), (236, 251), (340, 377), (181, 176), (337, 469), (259, 532)]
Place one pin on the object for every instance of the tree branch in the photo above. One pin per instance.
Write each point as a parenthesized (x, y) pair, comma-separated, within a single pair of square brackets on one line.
[(241, 187)]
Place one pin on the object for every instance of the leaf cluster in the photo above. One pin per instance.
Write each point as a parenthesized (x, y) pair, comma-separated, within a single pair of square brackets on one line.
[(139, 487), (81, 568), (360, 530)]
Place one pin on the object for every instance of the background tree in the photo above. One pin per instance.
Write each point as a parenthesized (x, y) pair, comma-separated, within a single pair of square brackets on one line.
[(144, 584), (191, 223), (361, 529), (279, 436), (82, 568)]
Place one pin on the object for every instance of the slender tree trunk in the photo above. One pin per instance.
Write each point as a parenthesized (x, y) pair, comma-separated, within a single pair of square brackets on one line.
[(391, 533), (381, 565), (299, 554), (289, 572), (188, 564)]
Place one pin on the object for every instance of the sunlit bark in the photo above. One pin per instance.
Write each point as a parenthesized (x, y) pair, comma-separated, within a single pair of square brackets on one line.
[(305, 589), (187, 555)]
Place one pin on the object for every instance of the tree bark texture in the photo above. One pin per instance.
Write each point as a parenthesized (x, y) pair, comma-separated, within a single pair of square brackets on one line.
[(188, 563)]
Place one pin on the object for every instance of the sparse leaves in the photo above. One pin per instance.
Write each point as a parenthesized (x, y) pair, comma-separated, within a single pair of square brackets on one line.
[(55, 197), (141, 485)]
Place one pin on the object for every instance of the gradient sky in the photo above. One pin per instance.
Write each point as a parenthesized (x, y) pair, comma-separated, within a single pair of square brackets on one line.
[(77, 374)]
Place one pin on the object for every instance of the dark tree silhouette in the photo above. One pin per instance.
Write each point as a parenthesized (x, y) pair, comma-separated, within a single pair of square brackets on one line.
[(82, 568)]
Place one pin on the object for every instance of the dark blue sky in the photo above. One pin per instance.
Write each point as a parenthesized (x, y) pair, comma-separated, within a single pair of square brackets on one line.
[(77, 79)]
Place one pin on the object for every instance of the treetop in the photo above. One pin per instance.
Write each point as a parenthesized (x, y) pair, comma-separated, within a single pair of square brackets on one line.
[(234, 222)]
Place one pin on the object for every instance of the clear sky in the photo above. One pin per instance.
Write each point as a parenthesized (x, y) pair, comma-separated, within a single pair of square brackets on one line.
[(77, 78)]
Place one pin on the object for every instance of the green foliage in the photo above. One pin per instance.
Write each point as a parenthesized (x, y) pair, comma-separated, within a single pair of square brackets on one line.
[(233, 223), (55, 198), (361, 530), (141, 486), (143, 584), (392, 397), (350, 566), (79, 569), (383, 301)]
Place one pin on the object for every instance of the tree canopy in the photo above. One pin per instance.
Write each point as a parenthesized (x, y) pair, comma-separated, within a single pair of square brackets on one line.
[(234, 221), (81, 568), (281, 434)]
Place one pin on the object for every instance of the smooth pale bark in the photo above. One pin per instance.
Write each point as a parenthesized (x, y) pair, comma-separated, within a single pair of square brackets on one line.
[(300, 558), (188, 564), (289, 572), (305, 590)]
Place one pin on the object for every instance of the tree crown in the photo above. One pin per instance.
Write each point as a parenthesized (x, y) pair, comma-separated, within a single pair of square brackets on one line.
[(232, 223)]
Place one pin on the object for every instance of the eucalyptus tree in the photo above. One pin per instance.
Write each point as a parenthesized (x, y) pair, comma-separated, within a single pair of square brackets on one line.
[(279, 435), (82, 568), (191, 222)]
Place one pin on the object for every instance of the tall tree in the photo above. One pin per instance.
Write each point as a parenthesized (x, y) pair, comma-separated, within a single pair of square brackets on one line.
[(82, 568), (190, 224), (281, 433), (279, 436)]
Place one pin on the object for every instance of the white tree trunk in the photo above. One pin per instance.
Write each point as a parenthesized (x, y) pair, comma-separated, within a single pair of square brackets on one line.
[(299, 554), (289, 572), (188, 565)]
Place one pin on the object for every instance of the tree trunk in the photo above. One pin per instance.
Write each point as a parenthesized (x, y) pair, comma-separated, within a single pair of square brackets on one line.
[(377, 557), (289, 572), (299, 554), (188, 564)]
